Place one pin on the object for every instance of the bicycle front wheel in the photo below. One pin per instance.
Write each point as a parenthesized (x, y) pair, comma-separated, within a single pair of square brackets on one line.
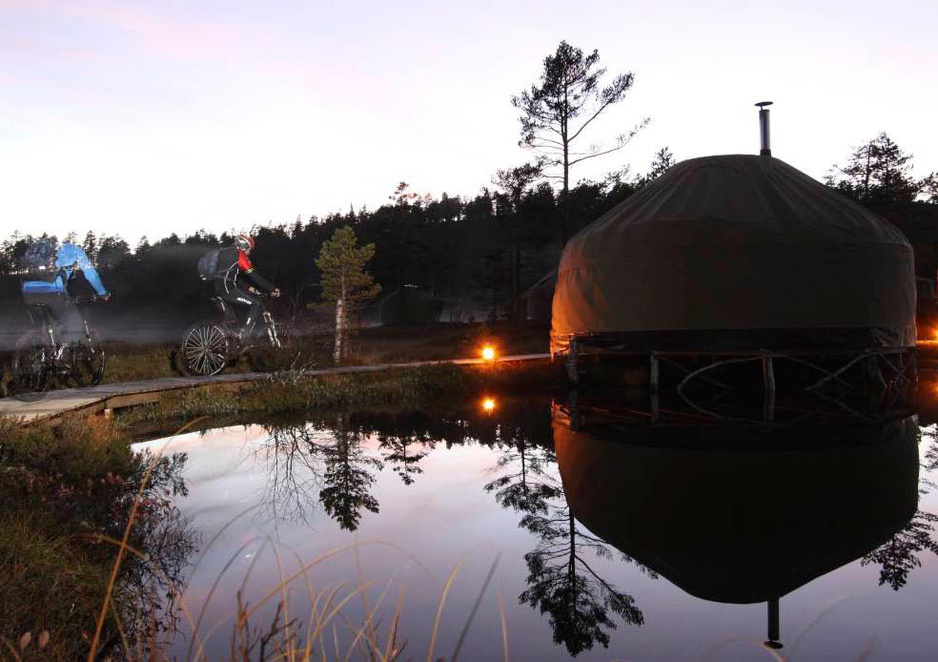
[(204, 350), (88, 361), (31, 363)]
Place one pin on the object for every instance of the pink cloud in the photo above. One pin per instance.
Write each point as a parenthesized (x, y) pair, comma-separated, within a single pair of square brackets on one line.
[(186, 37), (154, 30)]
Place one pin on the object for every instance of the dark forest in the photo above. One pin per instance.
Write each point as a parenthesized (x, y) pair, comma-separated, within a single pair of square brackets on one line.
[(447, 259)]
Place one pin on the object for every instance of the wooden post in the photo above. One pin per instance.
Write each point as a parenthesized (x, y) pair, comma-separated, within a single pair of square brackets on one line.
[(572, 361)]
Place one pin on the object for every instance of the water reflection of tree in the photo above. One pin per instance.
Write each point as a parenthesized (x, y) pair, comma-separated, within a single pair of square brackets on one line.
[(404, 453), (151, 580), (899, 555), (313, 463), (561, 580), (563, 584), (324, 461), (931, 452), (523, 485), (346, 479), (294, 471)]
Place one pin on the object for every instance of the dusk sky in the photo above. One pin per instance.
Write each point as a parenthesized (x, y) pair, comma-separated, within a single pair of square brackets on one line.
[(138, 118)]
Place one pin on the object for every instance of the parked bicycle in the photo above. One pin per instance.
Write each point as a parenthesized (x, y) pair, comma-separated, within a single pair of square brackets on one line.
[(209, 346), (40, 356)]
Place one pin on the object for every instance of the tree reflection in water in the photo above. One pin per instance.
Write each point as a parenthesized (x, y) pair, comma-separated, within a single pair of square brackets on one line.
[(337, 472), (294, 471), (524, 484), (327, 462), (561, 582), (318, 463), (151, 580), (404, 449), (347, 479), (900, 554)]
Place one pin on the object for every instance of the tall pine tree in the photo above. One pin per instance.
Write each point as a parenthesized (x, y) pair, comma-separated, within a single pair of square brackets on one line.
[(555, 113), (345, 283)]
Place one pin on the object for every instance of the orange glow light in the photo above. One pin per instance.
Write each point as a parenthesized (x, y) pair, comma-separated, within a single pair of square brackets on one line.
[(488, 404), (488, 353)]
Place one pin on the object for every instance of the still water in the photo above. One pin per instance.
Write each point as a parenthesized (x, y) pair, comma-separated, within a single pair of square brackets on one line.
[(560, 530)]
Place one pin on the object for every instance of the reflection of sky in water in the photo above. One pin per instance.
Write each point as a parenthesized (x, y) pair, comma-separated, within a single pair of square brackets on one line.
[(445, 518)]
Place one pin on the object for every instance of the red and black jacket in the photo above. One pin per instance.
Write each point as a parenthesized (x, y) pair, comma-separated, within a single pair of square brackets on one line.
[(240, 267)]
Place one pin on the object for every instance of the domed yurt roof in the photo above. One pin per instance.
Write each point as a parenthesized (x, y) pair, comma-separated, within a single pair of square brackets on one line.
[(736, 252)]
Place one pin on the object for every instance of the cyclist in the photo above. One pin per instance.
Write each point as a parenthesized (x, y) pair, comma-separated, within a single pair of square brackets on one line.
[(71, 265), (234, 268)]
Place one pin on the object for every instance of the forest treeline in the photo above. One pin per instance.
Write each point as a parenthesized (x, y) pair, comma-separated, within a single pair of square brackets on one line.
[(444, 258), (448, 256), (458, 259)]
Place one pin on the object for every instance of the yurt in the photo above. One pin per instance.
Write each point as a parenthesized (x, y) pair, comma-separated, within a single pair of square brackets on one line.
[(735, 253)]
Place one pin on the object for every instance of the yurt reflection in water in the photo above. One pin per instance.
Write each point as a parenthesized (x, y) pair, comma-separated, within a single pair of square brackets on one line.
[(738, 515)]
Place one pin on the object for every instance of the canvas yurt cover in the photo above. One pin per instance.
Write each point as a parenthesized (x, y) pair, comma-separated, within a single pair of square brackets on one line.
[(736, 252)]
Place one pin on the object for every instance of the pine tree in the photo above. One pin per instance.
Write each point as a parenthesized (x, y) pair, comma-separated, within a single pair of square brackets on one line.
[(663, 161), (555, 113), (878, 172), (90, 244), (345, 283)]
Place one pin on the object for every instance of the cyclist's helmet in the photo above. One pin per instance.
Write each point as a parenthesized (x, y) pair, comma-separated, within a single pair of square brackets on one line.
[(245, 242)]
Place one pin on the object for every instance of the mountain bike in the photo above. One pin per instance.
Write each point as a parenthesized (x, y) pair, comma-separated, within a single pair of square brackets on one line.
[(209, 346), (40, 357)]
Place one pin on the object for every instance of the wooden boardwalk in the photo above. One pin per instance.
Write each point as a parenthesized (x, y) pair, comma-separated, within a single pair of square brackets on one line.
[(107, 397)]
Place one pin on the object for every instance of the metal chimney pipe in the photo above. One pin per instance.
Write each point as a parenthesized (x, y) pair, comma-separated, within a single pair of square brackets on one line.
[(765, 149)]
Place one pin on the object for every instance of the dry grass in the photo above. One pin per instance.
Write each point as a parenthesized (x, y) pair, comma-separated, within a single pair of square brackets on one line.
[(324, 632)]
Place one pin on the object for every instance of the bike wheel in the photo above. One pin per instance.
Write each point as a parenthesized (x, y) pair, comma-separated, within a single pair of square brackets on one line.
[(204, 350), (88, 361), (31, 364)]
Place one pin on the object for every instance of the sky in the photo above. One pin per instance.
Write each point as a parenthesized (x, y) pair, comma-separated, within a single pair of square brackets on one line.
[(147, 118)]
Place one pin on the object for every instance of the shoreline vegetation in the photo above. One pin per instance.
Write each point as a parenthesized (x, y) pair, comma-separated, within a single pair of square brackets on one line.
[(92, 549), (370, 346)]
